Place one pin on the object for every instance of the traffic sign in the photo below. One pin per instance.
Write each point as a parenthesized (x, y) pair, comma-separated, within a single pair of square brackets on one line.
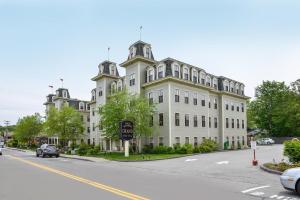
[(253, 145)]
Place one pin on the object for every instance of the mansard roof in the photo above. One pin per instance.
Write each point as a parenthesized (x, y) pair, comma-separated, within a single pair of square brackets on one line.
[(105, 65)]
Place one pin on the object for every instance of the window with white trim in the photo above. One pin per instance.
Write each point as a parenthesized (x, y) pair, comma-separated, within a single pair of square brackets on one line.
[(132, 80)]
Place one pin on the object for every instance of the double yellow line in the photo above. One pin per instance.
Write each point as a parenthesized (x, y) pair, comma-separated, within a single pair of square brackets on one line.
[(83, 180)]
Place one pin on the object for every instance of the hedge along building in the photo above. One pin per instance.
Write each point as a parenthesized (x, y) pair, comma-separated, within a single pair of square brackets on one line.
[(61, 98), (192, 105)]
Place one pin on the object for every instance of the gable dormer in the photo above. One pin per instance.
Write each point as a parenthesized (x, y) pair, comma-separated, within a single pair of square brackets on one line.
[(142, 49)]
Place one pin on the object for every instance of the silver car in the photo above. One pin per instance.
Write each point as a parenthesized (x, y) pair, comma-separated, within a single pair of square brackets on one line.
[(290, 179), (47, 150)]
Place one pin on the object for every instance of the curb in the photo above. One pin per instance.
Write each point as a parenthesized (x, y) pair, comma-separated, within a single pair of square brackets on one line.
[(83, 159), (271, 171), (16, 149)]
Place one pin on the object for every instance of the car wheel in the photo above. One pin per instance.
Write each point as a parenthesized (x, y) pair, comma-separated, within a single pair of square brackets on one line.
[(297, 188), (57, 156), (43, 155), (37, 155)]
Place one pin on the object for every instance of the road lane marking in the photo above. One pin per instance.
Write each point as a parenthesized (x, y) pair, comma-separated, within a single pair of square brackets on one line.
[(83, 180), (257, 193), (256, 188), (190, 160), (223, 162)]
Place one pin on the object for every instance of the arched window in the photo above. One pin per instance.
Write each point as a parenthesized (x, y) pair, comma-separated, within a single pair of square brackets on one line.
[(150, 74), (208, 81), (81, 106), (65, 95), (202, 78), (231, 87), (195, 76), (113, 87), (160, 71), (242, 89), (112, 70), (176, 70), (215, 83), (237, 88), (119, 85), (226, 85), (185, 73)]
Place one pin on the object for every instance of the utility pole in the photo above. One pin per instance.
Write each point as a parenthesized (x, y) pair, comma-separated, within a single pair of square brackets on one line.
[(6, 122)]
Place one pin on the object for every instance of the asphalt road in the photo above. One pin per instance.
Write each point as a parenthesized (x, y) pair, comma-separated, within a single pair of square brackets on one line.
[(222, 175)]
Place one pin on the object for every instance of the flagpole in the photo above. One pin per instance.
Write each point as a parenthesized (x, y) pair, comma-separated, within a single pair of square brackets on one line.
[(108, 53), (62, 83), (141, 32)]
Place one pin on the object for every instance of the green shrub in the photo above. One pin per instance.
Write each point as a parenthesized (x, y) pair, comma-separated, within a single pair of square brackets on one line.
[(92, 151), (208, 146), (83, 149), (196, 150), (162, 150), (12, 143), (292, 150), (147, 149)]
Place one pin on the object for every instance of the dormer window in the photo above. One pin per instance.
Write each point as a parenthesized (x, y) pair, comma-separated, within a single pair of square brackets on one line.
[(112, 70), (150, 75), (195, 76), (81, 106), (176, 70), (231, 87), (65, 94), (237, 88), (208, 80), (215, 82), (186, 73), (148, 52), (160, 72), (202, 76), (131, 52)]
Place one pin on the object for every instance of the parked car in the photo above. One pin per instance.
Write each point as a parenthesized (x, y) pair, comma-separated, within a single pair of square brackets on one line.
[(290, 179), (47, 150), (264, 141), (0, 151)]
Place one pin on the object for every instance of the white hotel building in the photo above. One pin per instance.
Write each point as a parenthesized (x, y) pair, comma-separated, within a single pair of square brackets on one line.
[(192, 104)]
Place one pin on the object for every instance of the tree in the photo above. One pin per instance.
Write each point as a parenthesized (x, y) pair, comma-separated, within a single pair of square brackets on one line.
[(296, 86), (276, 109), (28, 127), (121, 106), (66, 124)]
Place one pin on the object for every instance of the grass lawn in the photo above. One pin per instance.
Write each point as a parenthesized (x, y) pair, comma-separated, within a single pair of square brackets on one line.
[(137, 157)]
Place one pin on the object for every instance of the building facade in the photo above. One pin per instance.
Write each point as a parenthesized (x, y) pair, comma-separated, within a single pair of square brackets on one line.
[(192, 104), (61, 98)]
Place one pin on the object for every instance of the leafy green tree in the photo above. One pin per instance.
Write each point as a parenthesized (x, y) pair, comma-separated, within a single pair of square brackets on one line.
[(28, 127), (250, 117), (296, 86), (121, 106), (276, 109), (65, 123)]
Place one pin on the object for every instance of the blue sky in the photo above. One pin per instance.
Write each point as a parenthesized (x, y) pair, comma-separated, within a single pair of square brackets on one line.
[(43, 41)]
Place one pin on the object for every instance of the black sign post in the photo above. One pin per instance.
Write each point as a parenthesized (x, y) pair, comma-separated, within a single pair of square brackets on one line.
[(126, 134)]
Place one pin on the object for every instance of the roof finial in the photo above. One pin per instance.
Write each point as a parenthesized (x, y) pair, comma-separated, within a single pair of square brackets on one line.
[(141, 27), (108, 53)]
